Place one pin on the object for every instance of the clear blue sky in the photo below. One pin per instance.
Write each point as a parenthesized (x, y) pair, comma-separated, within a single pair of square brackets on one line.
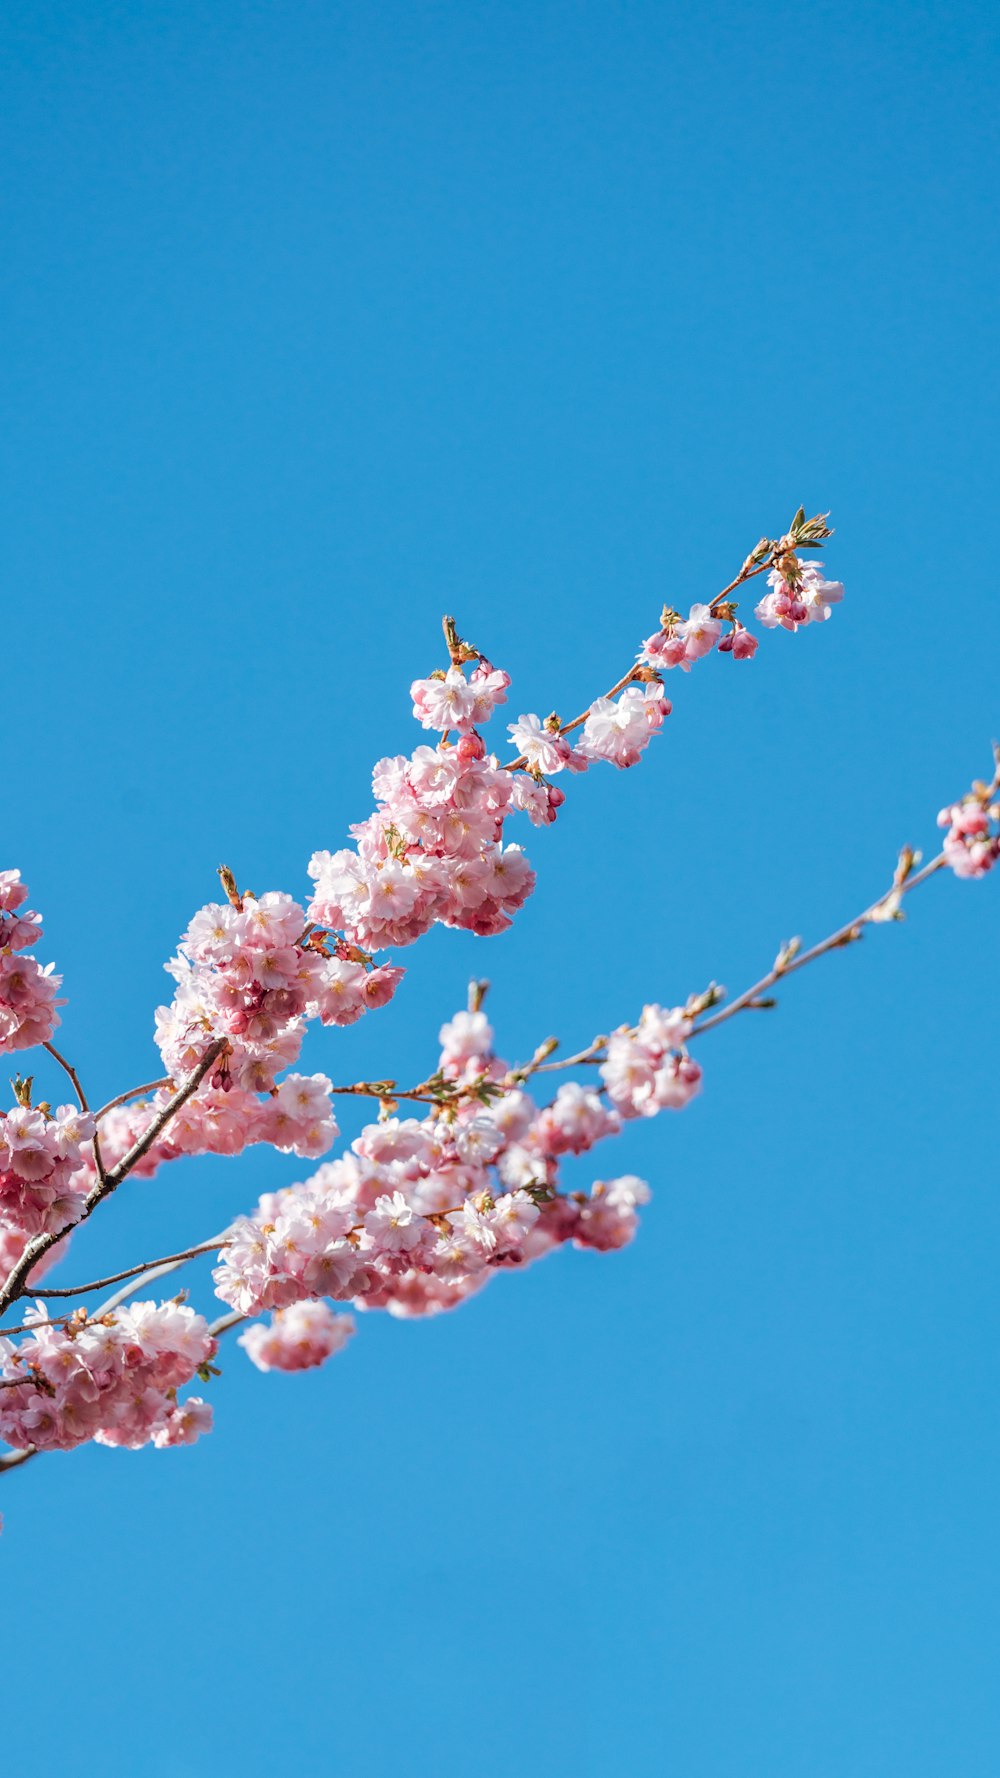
[(319, 320)]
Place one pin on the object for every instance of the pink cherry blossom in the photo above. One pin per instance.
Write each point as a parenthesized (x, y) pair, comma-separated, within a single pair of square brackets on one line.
[(42, 1189), (808, 599), (298, 1338), (543, 749), (646, 1069), (619, 730), (699, 631), (114, 1381), (608, 1219), (972, 842)]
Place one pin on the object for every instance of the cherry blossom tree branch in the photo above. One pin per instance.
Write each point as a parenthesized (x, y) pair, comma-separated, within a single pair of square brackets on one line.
[(150, 1086), (769, 553), (16, 1282), (432, 852), (216, 1049), (790, 958), (82, 1100), (71, 1071), (14, 1459), (160, 1266)]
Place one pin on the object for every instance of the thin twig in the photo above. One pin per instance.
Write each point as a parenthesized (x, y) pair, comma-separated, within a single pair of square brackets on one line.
[(225, 1322), (591, 1055), (14, 1459), (151, 1086), (16, 1282), (71, 1071), (844, 935), (145, 1142), (146, 1265), (82, 1097), (748, 572), (7, 1333), (385, 1089)]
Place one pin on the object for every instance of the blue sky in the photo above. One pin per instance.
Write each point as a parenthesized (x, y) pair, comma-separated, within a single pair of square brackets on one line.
[(318, 321)]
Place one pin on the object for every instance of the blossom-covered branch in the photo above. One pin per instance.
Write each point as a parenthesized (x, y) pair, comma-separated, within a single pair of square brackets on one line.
[(422, 1211)]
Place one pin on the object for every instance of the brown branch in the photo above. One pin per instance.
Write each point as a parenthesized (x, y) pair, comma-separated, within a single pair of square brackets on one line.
[(71, 1071), (788, 961), (147, 1265), (784, 546), (225, 1322), (82, 1098), (151, 1086), (16, 1282), (387, 1089), (14, 1459), (163, 1117), (7, 1333)]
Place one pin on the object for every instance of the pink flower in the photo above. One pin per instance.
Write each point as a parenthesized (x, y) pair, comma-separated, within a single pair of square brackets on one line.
[(184, 1424), (608, 1219), (700, 631), (574, 1122), (809, 599), (618, 731), (42, 1187), (27, 1001), (449, 701), (666, 649), (114, 1381), (739, 643), (298, 1118), (392, 1226), (971, 846), (646, 1069), (444, 702), (543, 750), (299, 1338)]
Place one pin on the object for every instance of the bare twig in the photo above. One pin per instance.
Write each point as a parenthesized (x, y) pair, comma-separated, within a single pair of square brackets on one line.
[(225, 1322), (14, 1459), (82, 1099), (147, 1265), (71, 1071), (151, 1086), (788, 961)]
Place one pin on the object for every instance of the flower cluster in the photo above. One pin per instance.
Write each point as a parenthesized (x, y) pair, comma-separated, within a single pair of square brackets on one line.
[(619, 729), (298, 1338), (432, 852), (448, 701), (799, 595), (681, 641), (972, 842), (422, 1212), (42, 1187), (295, 1117), (114, 1380), (647, 1069), (248, 971), (27, 989)]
